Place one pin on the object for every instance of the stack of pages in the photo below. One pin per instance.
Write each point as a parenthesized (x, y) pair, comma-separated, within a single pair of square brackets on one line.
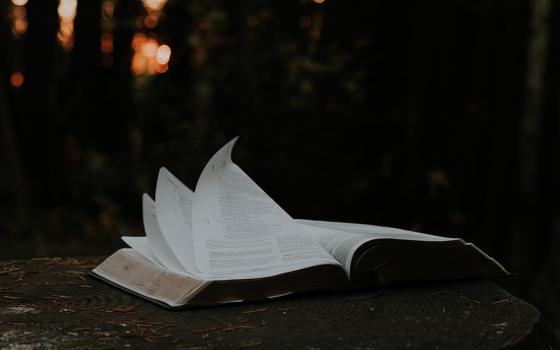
[(228, 241)]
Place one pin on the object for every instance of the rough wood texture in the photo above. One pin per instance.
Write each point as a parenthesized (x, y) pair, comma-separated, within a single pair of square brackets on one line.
[(54, 303)]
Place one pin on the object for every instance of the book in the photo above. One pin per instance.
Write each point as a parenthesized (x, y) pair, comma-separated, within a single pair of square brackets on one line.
[(228, 241)]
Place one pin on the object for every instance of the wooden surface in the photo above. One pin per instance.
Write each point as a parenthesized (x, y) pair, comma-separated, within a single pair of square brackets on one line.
[(53, 303)]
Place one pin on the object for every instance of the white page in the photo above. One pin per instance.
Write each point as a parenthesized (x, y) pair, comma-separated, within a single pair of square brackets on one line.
[(156, 240), (342, 239), (341, 245), (375, 231), (174, 212), (238, 227), (141, 245)]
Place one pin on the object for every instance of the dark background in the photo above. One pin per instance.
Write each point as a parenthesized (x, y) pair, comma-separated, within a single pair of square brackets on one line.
[(435, 116)]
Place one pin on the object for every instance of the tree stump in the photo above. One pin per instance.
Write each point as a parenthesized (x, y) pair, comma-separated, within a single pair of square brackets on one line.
[(52, 302)]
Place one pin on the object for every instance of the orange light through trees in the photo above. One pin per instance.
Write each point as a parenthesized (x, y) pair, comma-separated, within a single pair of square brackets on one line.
[(149, 48), (16, 79), (149, 56), (107, 27), (153, 9), (154, 5), (107, 43), (163, 54), (66, 14), (18, 16)]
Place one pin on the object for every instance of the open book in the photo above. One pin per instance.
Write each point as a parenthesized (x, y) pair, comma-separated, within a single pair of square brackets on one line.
[(228, 241)]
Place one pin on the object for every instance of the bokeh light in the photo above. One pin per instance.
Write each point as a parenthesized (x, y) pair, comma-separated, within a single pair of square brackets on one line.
[(16, 79), (154, 5), (19, 2), (107, 27), (66, 15), (18, 16), (106, 43), (153, 9), (149, 56), (107, 10), (150, 47), (163, 54)]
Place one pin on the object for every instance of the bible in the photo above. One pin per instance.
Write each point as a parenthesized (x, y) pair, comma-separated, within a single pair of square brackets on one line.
[(228, 241)]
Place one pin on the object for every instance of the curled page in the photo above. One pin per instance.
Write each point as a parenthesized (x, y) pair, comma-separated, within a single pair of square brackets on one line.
[(140, 244), (374, 231), (174, 212), (156, 240), (238, 230), (342, 239)]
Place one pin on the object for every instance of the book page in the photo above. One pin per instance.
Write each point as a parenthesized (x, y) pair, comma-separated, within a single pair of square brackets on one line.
[(375, 231), (339, 244), (155, 238), (140, 244), (174, 213), (341, 239), (239, 229)]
